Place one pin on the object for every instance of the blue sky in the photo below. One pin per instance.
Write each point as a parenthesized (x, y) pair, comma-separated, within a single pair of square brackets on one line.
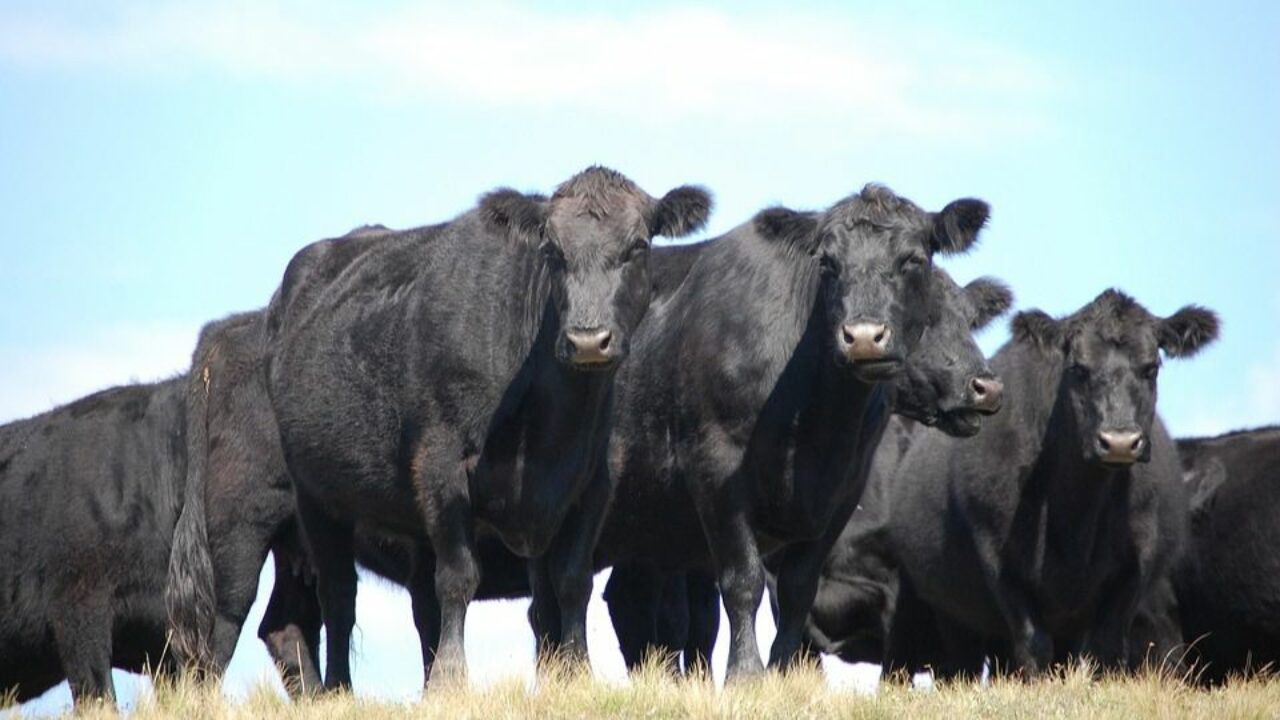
[(160, 162)]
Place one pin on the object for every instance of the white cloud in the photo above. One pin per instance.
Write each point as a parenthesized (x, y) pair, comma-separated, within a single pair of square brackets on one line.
[(658, 64), (40, 377)]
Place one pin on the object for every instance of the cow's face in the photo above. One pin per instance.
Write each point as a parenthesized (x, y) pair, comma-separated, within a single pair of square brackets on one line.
[(946, 382), (875, 252), (1110, 353), (593, 238)]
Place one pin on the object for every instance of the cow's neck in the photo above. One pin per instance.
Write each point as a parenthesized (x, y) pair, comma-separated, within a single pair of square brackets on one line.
[(833, 420), (1080, 494), (532, 322)]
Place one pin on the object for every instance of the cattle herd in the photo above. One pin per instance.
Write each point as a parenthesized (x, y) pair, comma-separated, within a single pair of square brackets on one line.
[(501, 405)]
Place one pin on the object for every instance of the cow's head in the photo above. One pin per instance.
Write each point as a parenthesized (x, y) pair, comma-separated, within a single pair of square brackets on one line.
[(1110, 354), (946, 382), (875, 253), (593, 236)]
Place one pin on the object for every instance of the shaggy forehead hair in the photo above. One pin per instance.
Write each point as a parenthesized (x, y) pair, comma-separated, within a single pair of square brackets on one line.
[(874, 205), (1113, 316), (597, 191)]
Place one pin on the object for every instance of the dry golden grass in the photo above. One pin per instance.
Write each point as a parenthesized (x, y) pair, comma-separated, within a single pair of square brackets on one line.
[(651, 694)]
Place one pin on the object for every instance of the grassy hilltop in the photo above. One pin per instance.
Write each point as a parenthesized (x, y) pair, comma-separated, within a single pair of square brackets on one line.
[(1068, 694)]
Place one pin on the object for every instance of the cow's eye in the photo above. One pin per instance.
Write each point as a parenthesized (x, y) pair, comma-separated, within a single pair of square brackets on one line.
[(912, 263), (828, 265), (637, 250), (1078, 371), (1151, 370), (553, 255)]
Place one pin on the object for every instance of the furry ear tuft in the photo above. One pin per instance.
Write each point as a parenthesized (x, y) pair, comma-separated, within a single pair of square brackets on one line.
[(523, 215), (1036, 326), (681, 211), (956, 228), (990, 298), (1187, 331), (787, 225)]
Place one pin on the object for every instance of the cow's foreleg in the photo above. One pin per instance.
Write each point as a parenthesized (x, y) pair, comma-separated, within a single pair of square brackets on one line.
[(450, 526), (82, 633), (1107, 642), (741, 577), (570, 562), (544, 611), (797, 585), (426, 606)]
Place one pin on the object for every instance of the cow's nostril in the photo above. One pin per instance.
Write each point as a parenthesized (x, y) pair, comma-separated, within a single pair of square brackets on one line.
[(1102, 442), (590, 346), (1137, 444), (979, 388), (866, 341)]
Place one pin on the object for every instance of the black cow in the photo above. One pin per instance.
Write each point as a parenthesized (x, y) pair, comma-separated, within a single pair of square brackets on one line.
[(1040, 537), (1227, 588), (456, 380), (945, 383), (89, 495), (237, 474), (753, 388)]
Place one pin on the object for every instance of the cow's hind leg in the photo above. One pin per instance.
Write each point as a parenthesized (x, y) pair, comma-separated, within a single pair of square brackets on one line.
[(632, 597), (330, 543), (290, 626), (704, 621), (82, 633), (238, 557), (672, 622)]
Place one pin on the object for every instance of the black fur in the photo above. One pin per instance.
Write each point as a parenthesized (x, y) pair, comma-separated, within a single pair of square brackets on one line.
[(1227, 587), (89, 494)]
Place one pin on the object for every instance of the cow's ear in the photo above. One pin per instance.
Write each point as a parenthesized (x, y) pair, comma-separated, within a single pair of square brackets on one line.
[(682, 211), (1185, 332), (990, 299), (1036, 326), (522, 215), (786, 225), (955, 229)]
